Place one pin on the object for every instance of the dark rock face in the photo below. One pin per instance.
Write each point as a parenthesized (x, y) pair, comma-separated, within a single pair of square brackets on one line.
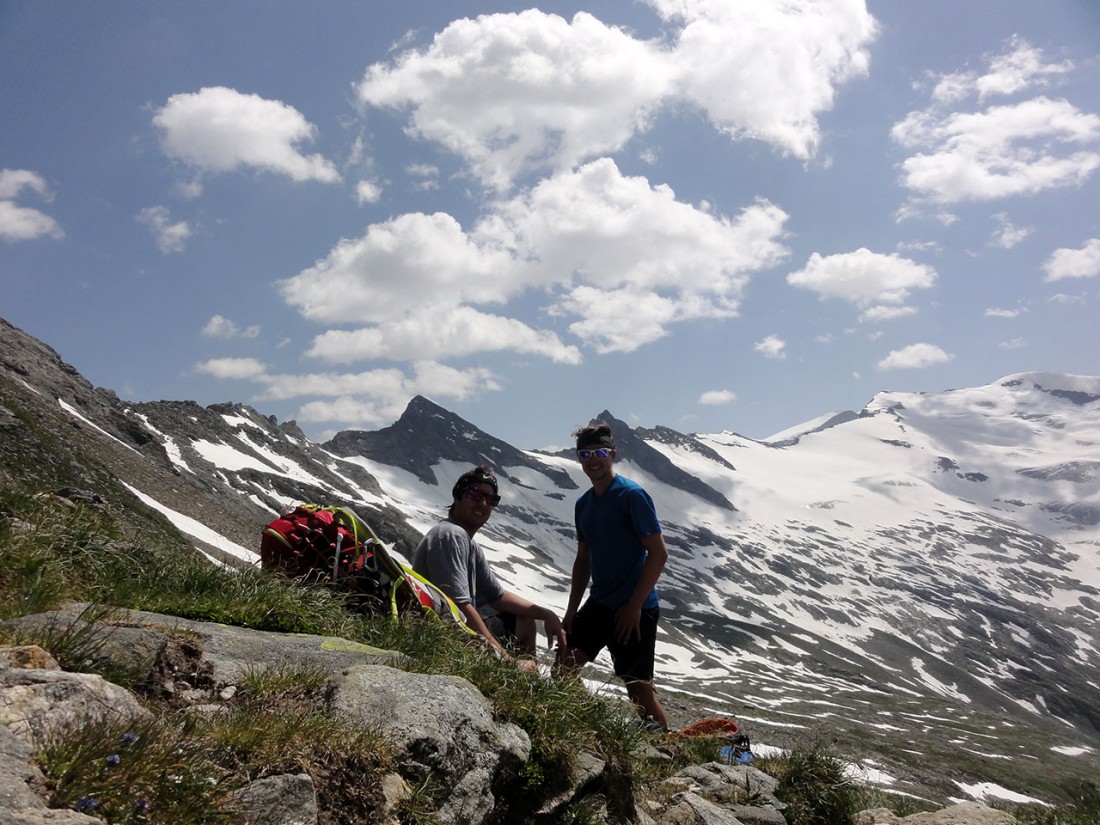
[(425, 434)]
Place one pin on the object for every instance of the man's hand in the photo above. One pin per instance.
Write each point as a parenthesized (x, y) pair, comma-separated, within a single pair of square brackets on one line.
[(555, 632), (567, 619), (628, 622)]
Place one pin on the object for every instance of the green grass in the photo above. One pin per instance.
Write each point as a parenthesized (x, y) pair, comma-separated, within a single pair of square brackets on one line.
[(153, 770)]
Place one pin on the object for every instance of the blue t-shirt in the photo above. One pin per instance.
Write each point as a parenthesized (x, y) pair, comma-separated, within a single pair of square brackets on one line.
[(612, 525)]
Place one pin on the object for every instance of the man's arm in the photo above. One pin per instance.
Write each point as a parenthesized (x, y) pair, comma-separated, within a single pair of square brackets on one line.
[(628, 618), (578, 583)]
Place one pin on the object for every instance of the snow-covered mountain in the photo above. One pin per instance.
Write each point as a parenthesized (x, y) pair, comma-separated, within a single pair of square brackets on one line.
[(920, 578)]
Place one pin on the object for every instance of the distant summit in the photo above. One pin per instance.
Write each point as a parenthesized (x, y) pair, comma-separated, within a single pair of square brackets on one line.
[(427, 433)]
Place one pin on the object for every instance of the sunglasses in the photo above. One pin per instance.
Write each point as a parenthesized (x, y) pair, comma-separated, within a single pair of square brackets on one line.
[(600, 453), (475, 495)]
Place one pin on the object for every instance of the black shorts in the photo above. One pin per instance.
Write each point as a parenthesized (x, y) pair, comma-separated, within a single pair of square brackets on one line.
[(594, 629), (503, 626)]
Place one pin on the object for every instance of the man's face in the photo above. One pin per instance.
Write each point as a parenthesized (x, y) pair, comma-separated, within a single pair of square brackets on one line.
[(473, 508), (596, 461)]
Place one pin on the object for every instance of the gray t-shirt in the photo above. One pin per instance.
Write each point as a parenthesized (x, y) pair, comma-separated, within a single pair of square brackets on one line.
[(453, 562)]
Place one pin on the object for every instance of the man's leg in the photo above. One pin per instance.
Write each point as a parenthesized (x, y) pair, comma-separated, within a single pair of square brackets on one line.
[(645, 699), (526, 635)]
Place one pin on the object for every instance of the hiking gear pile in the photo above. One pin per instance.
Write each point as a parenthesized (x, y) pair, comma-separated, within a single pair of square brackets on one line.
[(735, 748), (334, 546)]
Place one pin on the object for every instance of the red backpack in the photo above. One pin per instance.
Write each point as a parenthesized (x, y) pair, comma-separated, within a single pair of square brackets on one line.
[(334, 546)]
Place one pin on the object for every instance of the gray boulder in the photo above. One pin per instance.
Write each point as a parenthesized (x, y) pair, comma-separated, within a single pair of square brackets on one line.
[(289, 799), (444, 731)]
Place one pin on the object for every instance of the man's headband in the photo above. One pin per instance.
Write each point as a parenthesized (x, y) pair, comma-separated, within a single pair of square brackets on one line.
[(595, 438)]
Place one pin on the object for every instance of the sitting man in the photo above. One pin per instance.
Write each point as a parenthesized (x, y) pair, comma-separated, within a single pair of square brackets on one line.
[(449, 557)]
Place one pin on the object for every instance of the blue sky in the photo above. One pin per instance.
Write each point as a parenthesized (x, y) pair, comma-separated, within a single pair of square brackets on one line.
[(704, 214)]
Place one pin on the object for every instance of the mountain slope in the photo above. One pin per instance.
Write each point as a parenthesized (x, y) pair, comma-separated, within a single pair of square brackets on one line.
[(928, 564)]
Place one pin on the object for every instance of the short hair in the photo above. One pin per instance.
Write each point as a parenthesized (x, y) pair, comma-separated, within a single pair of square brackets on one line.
[(478, 475), (598, 432)]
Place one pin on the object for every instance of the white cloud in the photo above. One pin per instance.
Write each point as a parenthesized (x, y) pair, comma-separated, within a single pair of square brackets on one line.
[(433, 332), (640, 259), (14, 181), (766, 70), (365, 398), (1074, 263), (995, 312), (170, 237), (1015, 343), (219, 130), (368, 192), (1005, 150), (513, 93), (772, 346), (1020, 148), (1068, 300), (879, 283), (1022, 68), (717, 397), (221, 327), (22, 223), (1007, 235), (914, 356), (626, 258), (397, 266), (233, 368), (1019, 68), (885, 313)]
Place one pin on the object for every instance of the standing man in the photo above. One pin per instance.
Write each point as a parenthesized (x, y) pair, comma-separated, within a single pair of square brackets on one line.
[(450, 558), (621, 550)]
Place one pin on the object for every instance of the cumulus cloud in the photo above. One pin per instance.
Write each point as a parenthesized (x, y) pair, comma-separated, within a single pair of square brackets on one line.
[(378, 397), (513, 93), (455, 332), (22, 223), (773, 92), (368, 192), (620, 260), (914, 356), (233, 368), (1005, 150), (1008, 235), (1018, 68), (995, 312), (218, 129), (1074, 263), (397, 266), (880, 284), (717, 397), (1012, 149), (170, 237), (771, 346), (221, 327)]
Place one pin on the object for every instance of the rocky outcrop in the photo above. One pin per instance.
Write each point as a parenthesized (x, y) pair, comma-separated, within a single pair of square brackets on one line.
[(442, 730)]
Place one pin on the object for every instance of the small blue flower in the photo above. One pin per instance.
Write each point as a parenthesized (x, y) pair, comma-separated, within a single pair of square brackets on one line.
[(129, 738), (87, 803), (142, 806), (113, 759)]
